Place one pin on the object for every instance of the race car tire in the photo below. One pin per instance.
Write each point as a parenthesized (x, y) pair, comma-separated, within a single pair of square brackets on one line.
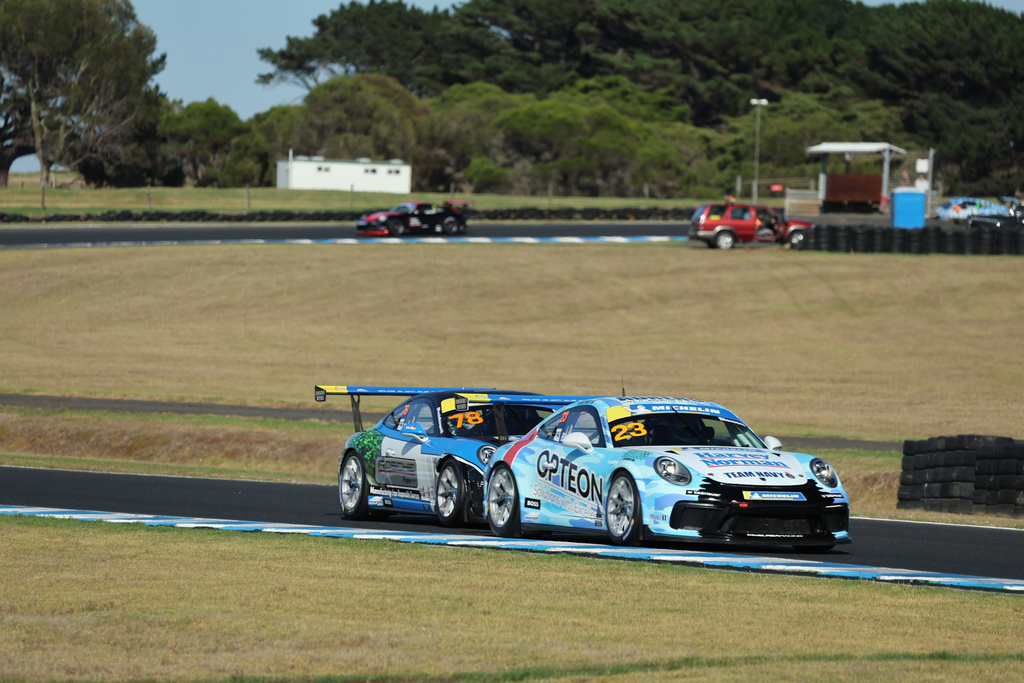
[(396, 228), (622, 511), (451, 494), (503, 503), (352, 487), (796, 239), (450, 225), (725, 240)]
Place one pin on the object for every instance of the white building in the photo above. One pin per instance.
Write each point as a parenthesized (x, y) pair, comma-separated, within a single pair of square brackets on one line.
[(361, 175)]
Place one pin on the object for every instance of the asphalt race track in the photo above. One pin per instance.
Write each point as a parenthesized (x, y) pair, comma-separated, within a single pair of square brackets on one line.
[(220, 232), (951, 549)]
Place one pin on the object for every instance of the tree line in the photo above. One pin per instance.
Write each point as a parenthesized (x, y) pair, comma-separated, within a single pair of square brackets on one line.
[(587, 97)]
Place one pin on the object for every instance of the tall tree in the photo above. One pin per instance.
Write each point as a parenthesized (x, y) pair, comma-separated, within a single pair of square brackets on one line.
[(15, 134), (199, 137), (79, 68), (384, 37)]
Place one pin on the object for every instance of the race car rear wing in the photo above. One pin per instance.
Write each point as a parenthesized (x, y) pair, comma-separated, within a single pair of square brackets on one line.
[(321, 392), (469, 396)]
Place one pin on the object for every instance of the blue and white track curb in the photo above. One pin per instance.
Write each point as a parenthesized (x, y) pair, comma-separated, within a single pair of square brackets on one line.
[(772, 565), (607, 239)]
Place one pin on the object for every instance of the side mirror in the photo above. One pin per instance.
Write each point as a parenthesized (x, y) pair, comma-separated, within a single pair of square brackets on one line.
[(414, 430), (578, 441), (772, 443)]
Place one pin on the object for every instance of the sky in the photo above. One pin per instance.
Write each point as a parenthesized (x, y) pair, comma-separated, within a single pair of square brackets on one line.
[(211, 47)]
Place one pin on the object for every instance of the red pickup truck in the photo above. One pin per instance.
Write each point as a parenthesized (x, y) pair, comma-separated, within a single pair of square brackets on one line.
[(723, 225)]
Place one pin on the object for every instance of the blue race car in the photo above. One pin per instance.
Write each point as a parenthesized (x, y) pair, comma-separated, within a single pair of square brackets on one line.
[(962, 208), (656, 468), (426, 456)]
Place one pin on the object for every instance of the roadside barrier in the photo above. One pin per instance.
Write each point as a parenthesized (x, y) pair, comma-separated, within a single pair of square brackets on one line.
[(967, 474), (867, 239)]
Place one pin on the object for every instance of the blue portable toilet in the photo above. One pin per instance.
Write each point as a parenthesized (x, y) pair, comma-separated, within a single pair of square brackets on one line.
[(907, 208)]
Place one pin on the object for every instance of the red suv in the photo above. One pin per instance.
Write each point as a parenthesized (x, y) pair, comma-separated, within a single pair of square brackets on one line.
[(723, 225)]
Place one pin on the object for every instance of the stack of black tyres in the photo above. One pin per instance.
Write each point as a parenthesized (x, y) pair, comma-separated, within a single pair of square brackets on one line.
[(866, 239), (967, 474)]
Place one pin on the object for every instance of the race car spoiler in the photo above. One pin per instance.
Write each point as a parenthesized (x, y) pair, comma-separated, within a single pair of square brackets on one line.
[(321, 392), (464, 397)]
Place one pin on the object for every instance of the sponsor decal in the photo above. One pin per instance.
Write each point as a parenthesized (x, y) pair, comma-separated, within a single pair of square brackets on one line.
[(706, 494), (760, 475), (773, 495), (635, 455), (384, 491), (833, 496), (712, 459), (532, 503), (531, 517), (576, 480), (673, 408), (573, 506)]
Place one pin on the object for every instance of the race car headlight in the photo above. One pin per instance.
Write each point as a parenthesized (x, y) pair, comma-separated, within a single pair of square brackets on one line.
[(824, 472), (672, 471), (485, 454)]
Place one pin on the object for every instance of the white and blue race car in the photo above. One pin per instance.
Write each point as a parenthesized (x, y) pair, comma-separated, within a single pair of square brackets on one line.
[(427, 455), (660, 468)]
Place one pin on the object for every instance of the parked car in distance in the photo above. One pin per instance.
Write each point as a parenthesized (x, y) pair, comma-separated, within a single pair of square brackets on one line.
[(414, 217), (724, 225)]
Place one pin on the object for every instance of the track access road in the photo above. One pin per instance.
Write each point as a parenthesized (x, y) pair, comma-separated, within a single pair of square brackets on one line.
[(954, 549)]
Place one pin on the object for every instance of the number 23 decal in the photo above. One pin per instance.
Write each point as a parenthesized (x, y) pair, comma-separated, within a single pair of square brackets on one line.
[(628, 430)]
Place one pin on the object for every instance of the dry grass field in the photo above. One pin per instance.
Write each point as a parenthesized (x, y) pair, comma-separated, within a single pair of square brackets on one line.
[(881, 347), (23, 196), (797, 343), (97, 601)]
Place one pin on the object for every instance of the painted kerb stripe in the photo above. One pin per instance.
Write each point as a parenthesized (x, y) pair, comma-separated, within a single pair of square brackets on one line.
[(772, 565)]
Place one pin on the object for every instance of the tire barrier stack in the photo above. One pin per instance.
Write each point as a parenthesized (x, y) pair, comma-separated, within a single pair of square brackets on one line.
[(966, 474), (524, 214), (869, 239)]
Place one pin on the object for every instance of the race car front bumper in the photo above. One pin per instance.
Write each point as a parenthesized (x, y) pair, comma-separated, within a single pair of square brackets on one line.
[(724, 515)]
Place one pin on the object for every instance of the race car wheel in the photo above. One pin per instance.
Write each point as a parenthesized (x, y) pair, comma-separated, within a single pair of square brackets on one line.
[(396, 228), (451, 494), (450, 225), (352, 487), (503, 503), (725, 240), (622, 511), (796, 239)]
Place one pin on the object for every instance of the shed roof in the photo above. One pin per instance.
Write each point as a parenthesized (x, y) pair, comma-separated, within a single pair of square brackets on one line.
[(854, 148)]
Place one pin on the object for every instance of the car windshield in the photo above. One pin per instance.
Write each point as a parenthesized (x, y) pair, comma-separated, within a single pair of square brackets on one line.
[(681, 429), (402, 208), (478, 422)]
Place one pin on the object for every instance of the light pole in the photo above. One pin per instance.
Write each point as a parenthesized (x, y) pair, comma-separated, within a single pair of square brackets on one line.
[(757, 104)]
